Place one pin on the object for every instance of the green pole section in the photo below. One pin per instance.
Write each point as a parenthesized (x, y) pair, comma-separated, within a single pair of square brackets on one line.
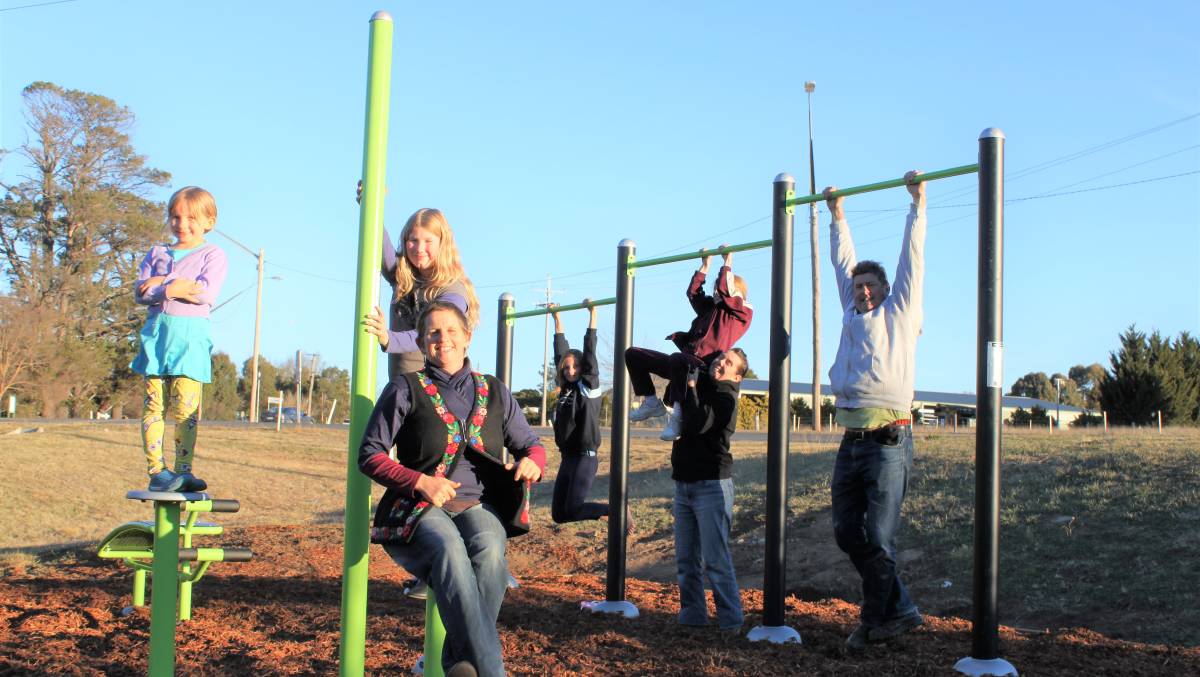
[(562, 309), (163, 591), (366, 349), (894, 183), (435, 638), (700, 254)]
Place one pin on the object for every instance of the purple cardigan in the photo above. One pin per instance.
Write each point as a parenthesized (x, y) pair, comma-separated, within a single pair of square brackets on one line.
[(205, 264)]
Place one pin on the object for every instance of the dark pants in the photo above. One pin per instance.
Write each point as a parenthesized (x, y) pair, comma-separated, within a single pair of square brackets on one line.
[(571, 488), (642, 362), (870, 479)]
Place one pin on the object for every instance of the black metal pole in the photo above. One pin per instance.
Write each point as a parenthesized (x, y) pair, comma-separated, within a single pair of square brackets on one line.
[(619, 469), (985, 637), (775, 557), (504, 337)]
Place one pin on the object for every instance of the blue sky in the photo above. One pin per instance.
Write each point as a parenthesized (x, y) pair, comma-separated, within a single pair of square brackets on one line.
[(549, 131)]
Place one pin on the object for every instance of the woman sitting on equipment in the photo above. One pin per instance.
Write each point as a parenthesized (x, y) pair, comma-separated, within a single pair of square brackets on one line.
[(453, 496)]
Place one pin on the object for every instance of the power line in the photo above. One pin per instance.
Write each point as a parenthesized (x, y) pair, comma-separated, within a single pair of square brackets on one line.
[(40, 4)]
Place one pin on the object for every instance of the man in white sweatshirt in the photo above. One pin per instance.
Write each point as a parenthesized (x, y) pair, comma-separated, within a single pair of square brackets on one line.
[(872, 378)]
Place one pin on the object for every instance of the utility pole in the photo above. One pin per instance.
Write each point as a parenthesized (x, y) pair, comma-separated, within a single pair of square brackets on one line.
[(816, 268), (546, 349), (254, 406), (312, 378), (1058, 404), (299, 381)]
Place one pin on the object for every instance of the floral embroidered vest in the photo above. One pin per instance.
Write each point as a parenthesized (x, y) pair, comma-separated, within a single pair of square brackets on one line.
[(432, 440)]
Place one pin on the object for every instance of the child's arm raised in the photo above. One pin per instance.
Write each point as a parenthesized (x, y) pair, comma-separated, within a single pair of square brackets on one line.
[(561, 346), (695, 291), (590, 370)]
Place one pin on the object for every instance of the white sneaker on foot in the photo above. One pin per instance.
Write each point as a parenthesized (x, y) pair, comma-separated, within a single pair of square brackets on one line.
[(671, 432), (650, 407)]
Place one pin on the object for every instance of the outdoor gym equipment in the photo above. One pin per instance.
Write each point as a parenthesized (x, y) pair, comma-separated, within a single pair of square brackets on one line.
[(159, 543), (507, 316)]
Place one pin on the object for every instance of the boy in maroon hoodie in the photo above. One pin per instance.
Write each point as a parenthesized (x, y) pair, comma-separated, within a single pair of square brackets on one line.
[(721, 319)]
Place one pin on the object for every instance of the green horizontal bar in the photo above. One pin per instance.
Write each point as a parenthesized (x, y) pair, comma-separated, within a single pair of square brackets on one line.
[(127, 554), (894, 183), (700, 254), (562, 309)]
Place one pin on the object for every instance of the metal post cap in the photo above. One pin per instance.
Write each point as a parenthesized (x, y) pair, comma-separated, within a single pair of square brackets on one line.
[(991, 133), (506, 296), (381, 15), (627, 243), (784, 177)]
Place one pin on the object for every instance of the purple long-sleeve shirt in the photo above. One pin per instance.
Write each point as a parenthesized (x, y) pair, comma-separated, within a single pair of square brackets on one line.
[(205, 264)]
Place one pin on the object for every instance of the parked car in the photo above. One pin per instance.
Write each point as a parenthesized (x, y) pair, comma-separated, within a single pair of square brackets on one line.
[(289, 416)]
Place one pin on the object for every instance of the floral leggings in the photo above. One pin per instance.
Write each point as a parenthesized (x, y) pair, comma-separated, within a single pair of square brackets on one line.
[(185, 408)]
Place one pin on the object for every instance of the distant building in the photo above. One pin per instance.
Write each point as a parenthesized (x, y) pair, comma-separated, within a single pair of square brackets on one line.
[(938, 408)]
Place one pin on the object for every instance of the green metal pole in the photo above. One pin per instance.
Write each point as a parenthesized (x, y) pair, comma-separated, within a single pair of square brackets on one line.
[(366, 348), (163, 590), (718, 251), (563, 308), (894, 183), (139, 587), (435, 637)]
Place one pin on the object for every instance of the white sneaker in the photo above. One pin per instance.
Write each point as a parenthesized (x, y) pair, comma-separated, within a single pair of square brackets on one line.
[(650, 407), (671, 432)]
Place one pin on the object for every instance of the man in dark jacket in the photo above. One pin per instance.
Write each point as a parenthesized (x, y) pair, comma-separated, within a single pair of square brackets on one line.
[(702, 467)]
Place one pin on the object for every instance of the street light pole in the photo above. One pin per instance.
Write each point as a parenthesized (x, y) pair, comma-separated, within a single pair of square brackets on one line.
[(816, 268), (1058, 403), (257, 333)]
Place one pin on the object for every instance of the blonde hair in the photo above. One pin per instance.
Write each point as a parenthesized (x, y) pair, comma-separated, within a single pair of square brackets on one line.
[(197, 200), (740, 285), (447, 267)]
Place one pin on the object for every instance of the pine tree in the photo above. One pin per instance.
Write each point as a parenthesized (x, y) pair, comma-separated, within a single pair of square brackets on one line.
[(1133, 391)]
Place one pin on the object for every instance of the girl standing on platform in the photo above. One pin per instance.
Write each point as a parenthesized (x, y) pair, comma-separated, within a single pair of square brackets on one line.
[(178, 283)]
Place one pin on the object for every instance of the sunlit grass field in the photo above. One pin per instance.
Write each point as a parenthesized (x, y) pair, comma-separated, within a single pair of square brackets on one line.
[(1097, 530)]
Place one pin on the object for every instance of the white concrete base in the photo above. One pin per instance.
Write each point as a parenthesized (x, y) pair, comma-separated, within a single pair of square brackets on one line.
[(626, 609), (775, 634), (992, 667)]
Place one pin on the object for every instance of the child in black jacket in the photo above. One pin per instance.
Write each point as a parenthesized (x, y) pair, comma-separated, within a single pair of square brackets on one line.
[(576, 425)]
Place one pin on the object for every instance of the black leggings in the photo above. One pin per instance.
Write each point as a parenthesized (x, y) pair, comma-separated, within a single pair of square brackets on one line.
[(571, 487)]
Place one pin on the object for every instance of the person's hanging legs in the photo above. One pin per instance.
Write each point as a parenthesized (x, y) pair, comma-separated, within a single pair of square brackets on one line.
[(641, 363), (571, 487), (679, 366)]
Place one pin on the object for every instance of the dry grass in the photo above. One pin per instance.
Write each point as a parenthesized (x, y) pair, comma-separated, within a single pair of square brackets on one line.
[(1098, 530)]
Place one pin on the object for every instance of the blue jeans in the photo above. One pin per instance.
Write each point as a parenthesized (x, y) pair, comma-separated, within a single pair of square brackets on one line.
[(703, 513), (462, 558), (571, 487), (870, 479)]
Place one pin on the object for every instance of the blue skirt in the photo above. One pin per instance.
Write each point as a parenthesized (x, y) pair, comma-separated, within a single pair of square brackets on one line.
[(175, 346)]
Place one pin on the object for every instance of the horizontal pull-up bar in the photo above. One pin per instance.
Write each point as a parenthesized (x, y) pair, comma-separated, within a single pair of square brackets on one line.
[(700, 254), (563, 308), (894, 183)]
